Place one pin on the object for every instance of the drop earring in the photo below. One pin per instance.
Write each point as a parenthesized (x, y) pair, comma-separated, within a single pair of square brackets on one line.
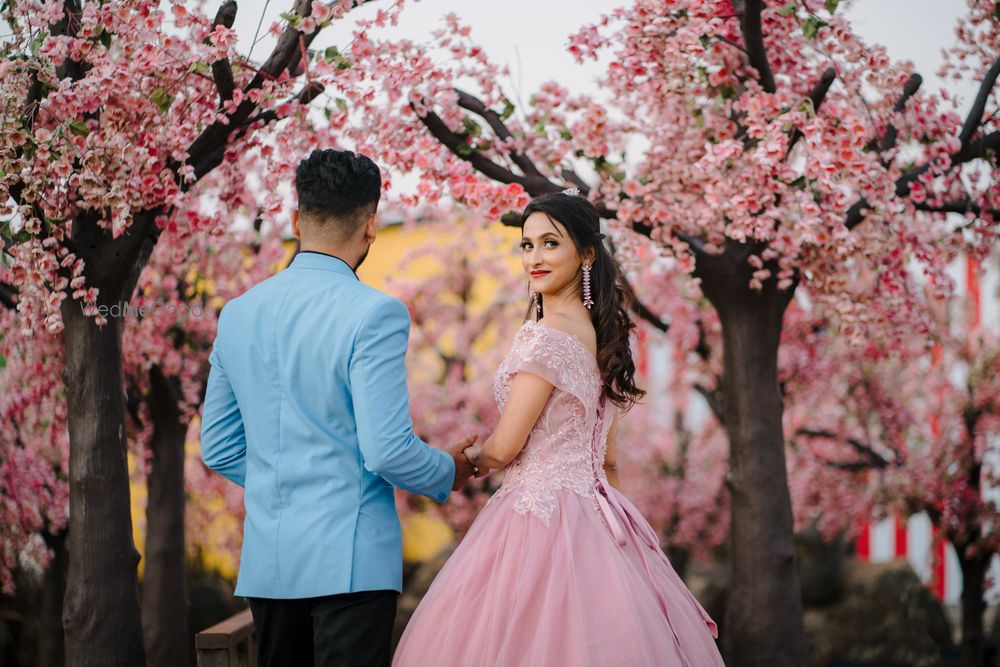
[(587, 301), (537, 303)]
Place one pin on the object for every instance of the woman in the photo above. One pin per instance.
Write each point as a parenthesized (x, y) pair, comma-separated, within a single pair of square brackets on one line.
[(560, 568)]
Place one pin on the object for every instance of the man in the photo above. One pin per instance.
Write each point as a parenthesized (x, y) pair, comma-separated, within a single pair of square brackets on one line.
[(307, 408)]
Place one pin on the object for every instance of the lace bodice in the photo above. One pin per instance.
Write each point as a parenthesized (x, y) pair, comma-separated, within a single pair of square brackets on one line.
[(566, 447)]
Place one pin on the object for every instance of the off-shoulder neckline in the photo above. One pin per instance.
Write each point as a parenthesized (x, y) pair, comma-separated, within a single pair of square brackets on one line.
[(573, 337)]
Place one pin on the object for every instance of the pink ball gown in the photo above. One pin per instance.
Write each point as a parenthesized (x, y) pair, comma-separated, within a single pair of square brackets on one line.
[(559, 568)]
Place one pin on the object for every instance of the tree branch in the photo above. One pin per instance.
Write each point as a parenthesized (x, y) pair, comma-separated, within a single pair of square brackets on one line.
[(965, 205), (206, 152), (309, 92), (874, 459), (7, 294), (534, 185), (909, 90), (816, 95), (643, 311), (714, 400), (979, 105), (726, 40), (753, 37), (975, 149), (493, 119), (222, 71)]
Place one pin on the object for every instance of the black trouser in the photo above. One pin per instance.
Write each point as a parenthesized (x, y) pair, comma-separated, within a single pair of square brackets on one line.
[(346, 630)]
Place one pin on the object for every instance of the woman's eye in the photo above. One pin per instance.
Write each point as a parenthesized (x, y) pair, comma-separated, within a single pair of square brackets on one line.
[(525, 246), (554, 244)]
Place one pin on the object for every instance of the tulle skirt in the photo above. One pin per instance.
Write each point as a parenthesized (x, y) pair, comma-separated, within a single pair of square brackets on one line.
[(591, 587)]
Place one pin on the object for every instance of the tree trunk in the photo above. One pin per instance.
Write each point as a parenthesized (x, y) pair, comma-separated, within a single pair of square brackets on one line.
[(763, 620), (971, 652), (52, 651), (101, 609), (164, 588)]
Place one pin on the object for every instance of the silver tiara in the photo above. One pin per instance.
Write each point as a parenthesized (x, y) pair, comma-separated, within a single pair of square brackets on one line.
[(572, 192)]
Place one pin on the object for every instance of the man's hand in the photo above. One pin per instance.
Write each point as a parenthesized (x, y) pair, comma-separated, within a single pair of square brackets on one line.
[(463, 466)]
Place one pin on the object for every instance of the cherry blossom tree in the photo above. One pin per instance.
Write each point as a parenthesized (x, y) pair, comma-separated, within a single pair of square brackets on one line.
[(166, 343), (111, 126), (167, 335), (915, 431), (778, 154)]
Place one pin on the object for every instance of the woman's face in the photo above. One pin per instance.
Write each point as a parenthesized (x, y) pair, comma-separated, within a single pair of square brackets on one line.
[(548, 254)]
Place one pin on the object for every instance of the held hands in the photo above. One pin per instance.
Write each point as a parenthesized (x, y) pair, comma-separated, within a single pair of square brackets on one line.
[(464, 467), (473, 453)]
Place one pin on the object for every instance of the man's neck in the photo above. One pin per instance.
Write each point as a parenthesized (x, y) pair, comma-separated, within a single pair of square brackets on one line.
[(348, 256)]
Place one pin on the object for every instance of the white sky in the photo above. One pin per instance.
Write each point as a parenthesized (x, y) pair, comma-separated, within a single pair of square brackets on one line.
[(530, 36)]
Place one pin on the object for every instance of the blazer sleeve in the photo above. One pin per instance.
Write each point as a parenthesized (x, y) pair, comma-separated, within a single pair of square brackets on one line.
[(389, 448), (223, 436)]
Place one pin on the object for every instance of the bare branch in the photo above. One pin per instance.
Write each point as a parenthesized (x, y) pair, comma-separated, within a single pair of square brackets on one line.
[(753, 37), (979, 105)]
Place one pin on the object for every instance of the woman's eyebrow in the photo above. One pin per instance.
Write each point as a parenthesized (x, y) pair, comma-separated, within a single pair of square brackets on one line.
[(552, 234)]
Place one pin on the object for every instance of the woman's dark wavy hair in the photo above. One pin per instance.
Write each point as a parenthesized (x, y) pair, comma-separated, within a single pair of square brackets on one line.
[(612, 298)]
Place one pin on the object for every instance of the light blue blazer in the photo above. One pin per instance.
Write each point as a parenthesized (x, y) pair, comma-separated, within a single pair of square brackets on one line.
[(307, 409)]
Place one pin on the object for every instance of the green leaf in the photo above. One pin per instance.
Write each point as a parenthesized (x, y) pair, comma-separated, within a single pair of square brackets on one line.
[(3, 362), (465, 150), (508, 109), (78, 127), (788, 9), (105, 38), (341, 103), (327, 112), (811, 26), (161, 99), (471, 127), (294, 19), (996, 10), (333, 55), (831, 5), (37, 42), (705, 40), (10, 238), (565, 134)]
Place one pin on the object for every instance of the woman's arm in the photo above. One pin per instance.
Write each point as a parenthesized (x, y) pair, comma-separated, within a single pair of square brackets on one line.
[(610, 466), (528, 395)]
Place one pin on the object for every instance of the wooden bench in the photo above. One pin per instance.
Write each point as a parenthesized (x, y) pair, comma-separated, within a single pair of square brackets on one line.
[(231, 643)]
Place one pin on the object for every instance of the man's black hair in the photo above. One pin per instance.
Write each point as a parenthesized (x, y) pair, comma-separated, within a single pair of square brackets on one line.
[(338, 187)]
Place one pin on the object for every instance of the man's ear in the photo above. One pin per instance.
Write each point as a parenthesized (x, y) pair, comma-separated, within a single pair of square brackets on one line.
[(295, 224), (371, 227)]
